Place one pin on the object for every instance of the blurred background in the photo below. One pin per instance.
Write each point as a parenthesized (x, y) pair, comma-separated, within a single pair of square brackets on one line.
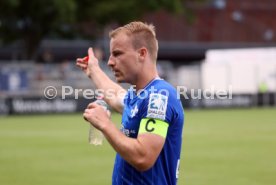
[(206, 46), (227, 45)]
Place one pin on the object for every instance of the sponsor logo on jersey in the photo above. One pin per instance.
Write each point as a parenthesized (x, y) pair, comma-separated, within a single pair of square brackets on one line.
[(157, 106)]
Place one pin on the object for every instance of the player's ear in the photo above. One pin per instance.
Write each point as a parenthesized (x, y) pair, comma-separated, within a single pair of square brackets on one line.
[(143, 52)]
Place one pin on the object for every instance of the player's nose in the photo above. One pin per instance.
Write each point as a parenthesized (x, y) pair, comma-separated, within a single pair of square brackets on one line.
[(111, 61)]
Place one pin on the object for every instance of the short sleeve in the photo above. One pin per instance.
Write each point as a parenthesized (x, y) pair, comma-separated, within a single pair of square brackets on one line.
[(156, 106)]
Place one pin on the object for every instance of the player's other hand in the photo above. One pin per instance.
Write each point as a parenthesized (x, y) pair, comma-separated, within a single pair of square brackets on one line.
[(96, 115), (87, 63)]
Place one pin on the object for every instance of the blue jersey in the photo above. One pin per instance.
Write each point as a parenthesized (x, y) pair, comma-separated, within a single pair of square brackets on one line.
[(158, 100)]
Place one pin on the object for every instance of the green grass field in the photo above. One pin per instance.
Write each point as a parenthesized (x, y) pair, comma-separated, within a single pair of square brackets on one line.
[(220, 147)]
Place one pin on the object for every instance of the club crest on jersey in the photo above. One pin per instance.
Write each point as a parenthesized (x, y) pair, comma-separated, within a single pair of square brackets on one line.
[(134, 111), (157, 106)]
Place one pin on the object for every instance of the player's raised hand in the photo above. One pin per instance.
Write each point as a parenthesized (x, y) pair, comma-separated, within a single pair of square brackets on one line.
[(87, 63)]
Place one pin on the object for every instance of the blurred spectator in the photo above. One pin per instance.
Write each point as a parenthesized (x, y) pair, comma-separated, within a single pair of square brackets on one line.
[(46, 57), (64, 69)]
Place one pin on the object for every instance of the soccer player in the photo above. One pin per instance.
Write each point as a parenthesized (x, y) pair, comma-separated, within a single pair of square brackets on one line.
[(148, 145)]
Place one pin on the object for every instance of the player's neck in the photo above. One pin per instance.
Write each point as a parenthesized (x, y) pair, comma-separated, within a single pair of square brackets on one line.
[(144, 80)]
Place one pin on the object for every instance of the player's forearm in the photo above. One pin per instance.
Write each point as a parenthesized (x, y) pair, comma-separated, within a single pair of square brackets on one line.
[(130, 149), (112, 92)]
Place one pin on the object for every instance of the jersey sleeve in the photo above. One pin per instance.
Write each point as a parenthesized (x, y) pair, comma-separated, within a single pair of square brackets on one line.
[(155, 115), (157, 106)]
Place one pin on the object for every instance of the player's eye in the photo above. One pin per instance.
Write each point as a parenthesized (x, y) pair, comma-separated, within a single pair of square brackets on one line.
[(117, 53)]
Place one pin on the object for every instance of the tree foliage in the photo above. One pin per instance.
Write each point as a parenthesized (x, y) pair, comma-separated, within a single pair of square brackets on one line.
[(29, 21)]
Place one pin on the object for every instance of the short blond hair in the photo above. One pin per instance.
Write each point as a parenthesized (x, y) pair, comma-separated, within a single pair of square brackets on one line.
[(142, 35)]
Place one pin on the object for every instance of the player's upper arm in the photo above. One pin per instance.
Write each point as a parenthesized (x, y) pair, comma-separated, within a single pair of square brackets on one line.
[(152, 135), (153, 127)]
